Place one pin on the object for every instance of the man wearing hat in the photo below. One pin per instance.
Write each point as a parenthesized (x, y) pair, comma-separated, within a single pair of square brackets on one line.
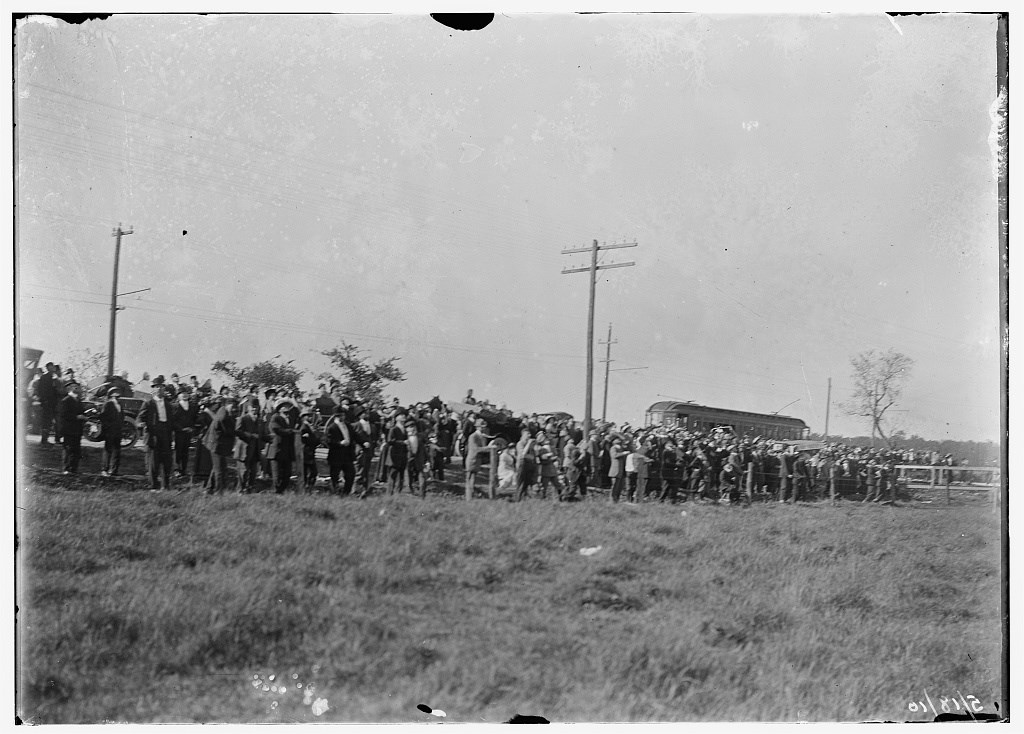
[(341, 451), (220, 441), (72, 419), (366, 433), (669, 472), (48, 394), (183, 422), (281, 451), (870, 473), (266, 413), (308, 441), (247, 445), (111, 419), (155, 420), (202, 467)]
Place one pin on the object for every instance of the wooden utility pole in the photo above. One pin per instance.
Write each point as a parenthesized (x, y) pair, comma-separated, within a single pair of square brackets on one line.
[(118, 233), (594, 267), (607, 363), (828, 404)]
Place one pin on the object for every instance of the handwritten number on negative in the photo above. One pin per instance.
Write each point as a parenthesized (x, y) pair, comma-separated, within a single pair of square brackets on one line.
[(974, 703)]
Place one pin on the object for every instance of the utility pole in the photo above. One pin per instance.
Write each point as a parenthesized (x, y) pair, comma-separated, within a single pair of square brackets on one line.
[(594, 267), (607, 363), (117, 234), (828, 404)]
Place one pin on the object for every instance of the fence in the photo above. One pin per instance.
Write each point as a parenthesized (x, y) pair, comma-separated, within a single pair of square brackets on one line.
[(916, 475), (912, 476)]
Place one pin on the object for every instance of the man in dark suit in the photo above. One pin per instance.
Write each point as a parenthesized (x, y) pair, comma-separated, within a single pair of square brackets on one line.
[(183, 424), (786, 489), (281, 451), (220, 441), (447, 427), (72, 419), (247, 446), (367, 436), (417, 467), (305, 449), (267, 411), (669, 472), (48, 394), (341, 451), (155, 420), (111, 420)]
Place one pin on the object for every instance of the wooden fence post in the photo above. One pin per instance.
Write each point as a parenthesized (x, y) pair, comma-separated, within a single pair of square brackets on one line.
[(492, 478), (832, 485), (750, 483), (948, 474)]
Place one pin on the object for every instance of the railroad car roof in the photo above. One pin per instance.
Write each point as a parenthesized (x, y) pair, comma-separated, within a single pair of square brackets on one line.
[(675, 405)]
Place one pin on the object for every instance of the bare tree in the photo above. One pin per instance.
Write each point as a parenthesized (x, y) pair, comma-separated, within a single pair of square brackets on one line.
[(878, 379), (87, 364)]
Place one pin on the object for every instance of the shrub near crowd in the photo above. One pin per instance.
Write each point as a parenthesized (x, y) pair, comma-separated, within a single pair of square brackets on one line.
[(161, 607)]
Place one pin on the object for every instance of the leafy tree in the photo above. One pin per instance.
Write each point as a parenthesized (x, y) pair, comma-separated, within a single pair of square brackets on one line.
[(265, 374), (878, 379), (357, 376)]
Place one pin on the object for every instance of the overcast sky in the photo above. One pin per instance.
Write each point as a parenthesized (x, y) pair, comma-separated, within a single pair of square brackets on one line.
[(801, 188)]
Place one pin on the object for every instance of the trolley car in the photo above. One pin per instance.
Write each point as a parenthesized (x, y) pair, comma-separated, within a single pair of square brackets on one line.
[(693, 417)]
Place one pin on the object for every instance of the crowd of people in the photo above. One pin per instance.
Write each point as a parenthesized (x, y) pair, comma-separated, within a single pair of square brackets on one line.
[(672, 465), (225, 440)]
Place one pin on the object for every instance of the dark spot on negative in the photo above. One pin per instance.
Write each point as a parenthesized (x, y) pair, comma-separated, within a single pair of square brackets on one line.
[(72, 18), (527, 719), (424, 708), (464, 21), (184, 232)]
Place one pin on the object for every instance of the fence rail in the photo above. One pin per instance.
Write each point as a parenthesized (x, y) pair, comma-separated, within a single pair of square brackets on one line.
[(918, 476)]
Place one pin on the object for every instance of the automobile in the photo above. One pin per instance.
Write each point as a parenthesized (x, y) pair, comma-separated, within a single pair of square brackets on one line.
[(558, 415), (504, 427), (131, 403)]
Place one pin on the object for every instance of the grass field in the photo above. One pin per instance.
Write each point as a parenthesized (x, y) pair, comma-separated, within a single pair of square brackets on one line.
[(160, 607)]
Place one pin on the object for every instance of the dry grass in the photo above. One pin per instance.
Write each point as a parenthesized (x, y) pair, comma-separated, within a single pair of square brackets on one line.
[(154, 607)]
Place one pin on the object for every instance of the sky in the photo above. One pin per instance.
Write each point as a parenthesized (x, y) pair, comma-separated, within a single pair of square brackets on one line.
[(801, 189)]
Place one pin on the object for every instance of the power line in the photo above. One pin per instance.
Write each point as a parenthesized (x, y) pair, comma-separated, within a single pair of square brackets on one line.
[(373, 220), (69, 300), (291, 162), (88, 107)]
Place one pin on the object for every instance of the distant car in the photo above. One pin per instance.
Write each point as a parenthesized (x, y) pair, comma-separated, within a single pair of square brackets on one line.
[(505, 428), (131, 403), (558, 415)]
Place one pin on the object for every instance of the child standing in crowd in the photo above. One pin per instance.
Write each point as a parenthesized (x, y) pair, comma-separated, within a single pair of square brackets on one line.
[(438, 457)]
